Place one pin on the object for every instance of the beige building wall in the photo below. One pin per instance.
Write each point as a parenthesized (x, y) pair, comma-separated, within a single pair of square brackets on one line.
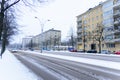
[(107, 14), (86, 23)]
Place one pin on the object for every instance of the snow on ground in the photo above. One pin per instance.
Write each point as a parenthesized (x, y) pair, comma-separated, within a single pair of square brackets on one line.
[(102, 63), (12, 69)]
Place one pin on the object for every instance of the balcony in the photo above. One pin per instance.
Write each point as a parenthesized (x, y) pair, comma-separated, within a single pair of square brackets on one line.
[(117, 13), (112, 41), (108, 32), (79, 42), (117, 40), (109, 41), (117, 5), (79, 25), (117, 22), (79, 30), (117, 31), (79, 19), (80, 36)]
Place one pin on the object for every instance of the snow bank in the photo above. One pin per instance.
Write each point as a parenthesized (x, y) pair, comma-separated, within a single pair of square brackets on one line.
[(12, 69)]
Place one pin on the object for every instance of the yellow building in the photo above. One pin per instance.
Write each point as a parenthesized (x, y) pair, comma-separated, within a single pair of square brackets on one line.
[(86, 23), (105, 19)]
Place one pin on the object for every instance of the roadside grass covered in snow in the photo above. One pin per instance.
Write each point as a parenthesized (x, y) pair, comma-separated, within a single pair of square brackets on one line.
[(12, 69)]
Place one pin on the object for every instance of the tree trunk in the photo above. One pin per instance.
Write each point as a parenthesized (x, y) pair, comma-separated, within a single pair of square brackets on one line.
[(99, 46), (4, 40), (1, 24)]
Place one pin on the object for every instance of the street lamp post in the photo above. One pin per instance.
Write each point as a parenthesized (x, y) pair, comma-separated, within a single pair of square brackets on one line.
[(42, 27)]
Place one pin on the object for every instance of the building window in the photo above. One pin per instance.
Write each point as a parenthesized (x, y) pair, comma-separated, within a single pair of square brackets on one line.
[(103, 45), (97, 18), (93, 19), (110, 45)]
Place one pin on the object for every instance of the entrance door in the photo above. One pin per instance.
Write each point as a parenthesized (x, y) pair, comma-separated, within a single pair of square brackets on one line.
[(93, 46)]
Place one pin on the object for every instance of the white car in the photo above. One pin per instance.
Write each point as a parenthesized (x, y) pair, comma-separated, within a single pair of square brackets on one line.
[(106, 52), (14, 51)]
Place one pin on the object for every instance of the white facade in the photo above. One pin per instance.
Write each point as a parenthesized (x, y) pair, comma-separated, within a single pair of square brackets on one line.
[(47, 40), (26, 42), (108, 20), (111, 22)]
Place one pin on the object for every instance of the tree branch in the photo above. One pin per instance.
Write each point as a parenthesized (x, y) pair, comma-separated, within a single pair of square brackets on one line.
[(11, 5)]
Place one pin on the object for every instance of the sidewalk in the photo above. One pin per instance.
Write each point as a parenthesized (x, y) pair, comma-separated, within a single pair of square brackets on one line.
[(12, 69)]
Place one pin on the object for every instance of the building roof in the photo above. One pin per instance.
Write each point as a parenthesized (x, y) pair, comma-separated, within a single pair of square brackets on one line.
[(91, 9)]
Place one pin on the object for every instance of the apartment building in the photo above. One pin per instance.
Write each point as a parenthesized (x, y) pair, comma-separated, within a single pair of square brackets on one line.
[(36, 42), (26, 42), (108, 22), (86, 23), (107, 13), (111, 21), (48, 40), (116, 16)]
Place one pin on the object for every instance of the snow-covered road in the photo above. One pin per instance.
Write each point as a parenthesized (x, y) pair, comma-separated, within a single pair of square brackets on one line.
[(13, 69), (91, 67)]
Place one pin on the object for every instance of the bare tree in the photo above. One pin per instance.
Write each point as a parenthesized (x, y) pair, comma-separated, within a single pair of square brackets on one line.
[(98, 35), (72, 40), (9, 29), (4, 6)]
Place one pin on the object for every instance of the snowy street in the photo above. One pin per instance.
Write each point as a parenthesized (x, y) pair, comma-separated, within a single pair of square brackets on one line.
[(70, 67)]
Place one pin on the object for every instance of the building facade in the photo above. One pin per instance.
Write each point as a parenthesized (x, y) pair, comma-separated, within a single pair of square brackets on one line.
[(26, 42), (48, 40), (106, 13), (86, 23), (111, 21)]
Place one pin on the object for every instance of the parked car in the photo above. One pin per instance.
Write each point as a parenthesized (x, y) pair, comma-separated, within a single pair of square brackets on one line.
[(117, 52), (81, 51), (14, 51), (31, 49), (73, 50), (106, 52), (91, 51)]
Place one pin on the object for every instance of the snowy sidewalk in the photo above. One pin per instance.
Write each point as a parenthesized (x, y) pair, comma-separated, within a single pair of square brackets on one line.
[(12, 69)]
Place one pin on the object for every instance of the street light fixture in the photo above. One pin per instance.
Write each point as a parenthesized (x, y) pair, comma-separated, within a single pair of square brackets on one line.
[(42, 27)]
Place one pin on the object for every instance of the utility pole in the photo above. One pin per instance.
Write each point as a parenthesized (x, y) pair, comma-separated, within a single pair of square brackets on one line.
[(42, 26)]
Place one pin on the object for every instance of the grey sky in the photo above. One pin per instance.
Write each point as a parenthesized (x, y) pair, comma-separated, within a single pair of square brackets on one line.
[(62, 14)]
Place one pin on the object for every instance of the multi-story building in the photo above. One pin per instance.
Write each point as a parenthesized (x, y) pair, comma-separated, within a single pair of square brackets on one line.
[(116, 17), (47, 40), (108, 22), (36, 42), (107, 13), (111, 21), (26, 42), (86, 23)]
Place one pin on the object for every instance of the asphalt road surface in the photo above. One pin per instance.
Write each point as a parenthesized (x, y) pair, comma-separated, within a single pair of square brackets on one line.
[(90, 55), (49, 68)]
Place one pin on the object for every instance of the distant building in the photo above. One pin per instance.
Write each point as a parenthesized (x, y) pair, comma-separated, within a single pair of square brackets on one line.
[(47, 40), (26, 42)]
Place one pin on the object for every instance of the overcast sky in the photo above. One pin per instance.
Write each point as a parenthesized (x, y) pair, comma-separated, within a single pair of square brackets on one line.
[(61, 13)]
